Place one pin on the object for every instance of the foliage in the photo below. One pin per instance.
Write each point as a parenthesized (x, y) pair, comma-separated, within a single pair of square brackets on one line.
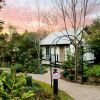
[(61, 95), (94, 38), (1, 25), (69, 67), (19, 87), (68, 64), (20, 49), (30, 69), (85, 78), (27, 49), (94, 71), (11, 87), (65, 73), (71, 77), (18, 67), (86, 68), (42, 33), (29, 81)]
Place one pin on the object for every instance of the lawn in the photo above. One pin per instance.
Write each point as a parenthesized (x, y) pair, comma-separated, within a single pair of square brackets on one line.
[(62, 95)]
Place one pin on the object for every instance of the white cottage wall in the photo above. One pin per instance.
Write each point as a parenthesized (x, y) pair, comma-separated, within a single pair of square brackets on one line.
[(88, 56), (44, 52)]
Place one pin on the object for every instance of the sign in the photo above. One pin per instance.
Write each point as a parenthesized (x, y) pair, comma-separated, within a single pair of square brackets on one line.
[(56, 75)]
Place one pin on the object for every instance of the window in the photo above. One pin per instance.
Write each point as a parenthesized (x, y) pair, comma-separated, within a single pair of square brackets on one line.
[(47, 53)]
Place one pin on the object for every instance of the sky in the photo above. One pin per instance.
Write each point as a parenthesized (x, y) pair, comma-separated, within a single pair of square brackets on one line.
[(23, 13)]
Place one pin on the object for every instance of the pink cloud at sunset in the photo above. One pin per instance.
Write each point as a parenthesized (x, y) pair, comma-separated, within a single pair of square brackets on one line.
[(23, 15), (20, 13), (18, 17)]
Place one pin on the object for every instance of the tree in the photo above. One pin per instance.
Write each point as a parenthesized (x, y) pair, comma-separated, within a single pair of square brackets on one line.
[(22, 49), (94, 38), (51, 19), (3, 46), (75, 13), (42, 34), (12, 30), (2, 3), (1, 25), (29, 51)]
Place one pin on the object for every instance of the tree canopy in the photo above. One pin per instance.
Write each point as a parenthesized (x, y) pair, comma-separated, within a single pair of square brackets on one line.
[(22, 49), (94, 38)]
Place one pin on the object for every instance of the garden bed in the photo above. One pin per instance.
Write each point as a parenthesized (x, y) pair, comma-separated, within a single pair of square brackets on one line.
[(89, 80), (19, 86)]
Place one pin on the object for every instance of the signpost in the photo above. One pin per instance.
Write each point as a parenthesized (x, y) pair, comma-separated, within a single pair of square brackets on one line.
[(56, 76)]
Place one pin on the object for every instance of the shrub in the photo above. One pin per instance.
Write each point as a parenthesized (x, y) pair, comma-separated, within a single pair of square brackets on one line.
[(71, 77), (65, 73), (94, 71), (30, 69), (19, 68), (68, 64), (29, 80), (37, 70), (12, 87), (85, 78)]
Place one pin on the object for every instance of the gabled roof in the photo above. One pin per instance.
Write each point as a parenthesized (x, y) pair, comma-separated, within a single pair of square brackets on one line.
[(55, 37)]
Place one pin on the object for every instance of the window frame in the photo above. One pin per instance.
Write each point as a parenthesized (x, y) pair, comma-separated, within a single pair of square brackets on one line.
[(47, 52)]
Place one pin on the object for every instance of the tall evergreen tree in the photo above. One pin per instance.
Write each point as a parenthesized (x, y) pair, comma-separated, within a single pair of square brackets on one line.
[(94, 39)]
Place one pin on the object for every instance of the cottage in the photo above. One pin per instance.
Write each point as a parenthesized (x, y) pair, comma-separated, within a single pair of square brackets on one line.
[(59, 43)]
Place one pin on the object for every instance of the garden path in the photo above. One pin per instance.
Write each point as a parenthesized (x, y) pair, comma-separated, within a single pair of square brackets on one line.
[(77, 91)]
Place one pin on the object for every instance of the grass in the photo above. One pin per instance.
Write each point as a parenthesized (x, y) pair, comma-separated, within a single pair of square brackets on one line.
[(62, 95)]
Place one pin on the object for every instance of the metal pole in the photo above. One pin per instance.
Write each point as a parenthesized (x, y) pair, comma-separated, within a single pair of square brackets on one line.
[(82, 63), (50, 67), (55, 83), (55, 80), (55, 55)]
